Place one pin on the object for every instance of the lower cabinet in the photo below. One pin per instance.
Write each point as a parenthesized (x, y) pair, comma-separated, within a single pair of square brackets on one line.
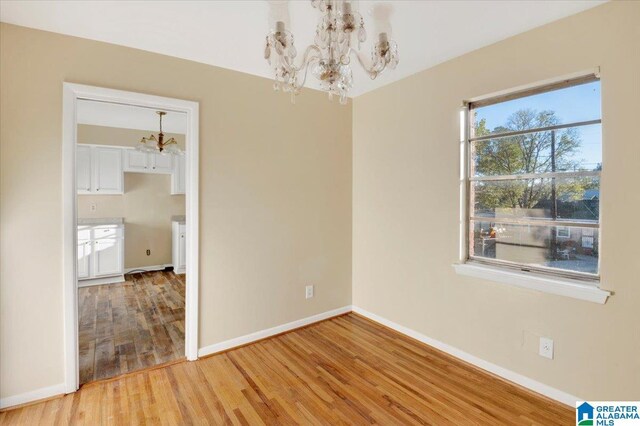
[(179, 247), (100, 254)]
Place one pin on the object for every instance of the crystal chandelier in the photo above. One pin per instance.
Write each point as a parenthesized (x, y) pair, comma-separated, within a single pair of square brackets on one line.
[(153, 144), (330, 57)]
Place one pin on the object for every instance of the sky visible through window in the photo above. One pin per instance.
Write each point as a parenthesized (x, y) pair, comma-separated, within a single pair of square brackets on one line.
[(572, 104)]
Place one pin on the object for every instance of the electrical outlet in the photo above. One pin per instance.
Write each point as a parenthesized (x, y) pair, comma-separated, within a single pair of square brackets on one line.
[(546, 347), (93, 207), (148, 252), (308, 291)]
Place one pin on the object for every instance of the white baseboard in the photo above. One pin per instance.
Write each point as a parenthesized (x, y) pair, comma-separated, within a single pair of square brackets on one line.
[(149, 268), (100, 281), (258, 335), (509, 375), (34, 395)]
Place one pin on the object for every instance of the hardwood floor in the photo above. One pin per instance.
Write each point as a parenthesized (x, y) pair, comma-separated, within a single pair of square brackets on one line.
[(132, 325), (347, 370)]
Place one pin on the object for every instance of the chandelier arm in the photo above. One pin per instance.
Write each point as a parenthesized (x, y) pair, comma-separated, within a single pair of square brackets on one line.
[(372, 69), (306, 70), (306, 59)]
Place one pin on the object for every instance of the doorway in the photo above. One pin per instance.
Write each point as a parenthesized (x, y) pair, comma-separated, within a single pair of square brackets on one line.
[(127, 313)]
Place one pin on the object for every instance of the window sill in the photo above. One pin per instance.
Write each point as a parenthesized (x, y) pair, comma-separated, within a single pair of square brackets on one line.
[(561, 287)]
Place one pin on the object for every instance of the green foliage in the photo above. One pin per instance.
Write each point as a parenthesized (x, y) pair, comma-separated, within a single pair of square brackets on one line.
[(522, 154)]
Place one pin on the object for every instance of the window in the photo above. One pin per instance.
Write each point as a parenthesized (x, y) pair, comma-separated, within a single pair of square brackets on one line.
[(563, 232), (533, 183)]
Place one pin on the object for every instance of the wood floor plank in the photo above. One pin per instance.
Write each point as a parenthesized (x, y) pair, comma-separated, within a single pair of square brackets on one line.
[(346, 370), (131, 325)]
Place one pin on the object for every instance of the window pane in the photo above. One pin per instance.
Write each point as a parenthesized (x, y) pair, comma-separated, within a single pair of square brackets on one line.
[(567, 248), (576, 149), (568, 105), (575, 198)]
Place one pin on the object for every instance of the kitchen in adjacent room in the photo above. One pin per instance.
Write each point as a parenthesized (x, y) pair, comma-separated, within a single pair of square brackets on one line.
[(130, 174)]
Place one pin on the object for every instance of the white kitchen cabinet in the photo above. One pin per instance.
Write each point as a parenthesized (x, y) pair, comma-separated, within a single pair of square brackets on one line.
[(107, 258), (161, 163), (136, 161), (84, 251), (147, 162), (99, 170), (83, 169), (100, 253), (108, 170), (178, 177), (179, 246)]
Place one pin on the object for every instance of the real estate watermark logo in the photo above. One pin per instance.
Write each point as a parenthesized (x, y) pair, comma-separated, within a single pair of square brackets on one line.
[(607, 413)]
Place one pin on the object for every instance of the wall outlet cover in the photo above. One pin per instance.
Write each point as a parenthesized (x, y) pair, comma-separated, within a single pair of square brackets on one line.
[(308, 292), (546, 347)]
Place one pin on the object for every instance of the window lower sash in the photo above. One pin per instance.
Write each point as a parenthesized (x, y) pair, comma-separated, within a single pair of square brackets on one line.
[(535, 222), (591, 279)]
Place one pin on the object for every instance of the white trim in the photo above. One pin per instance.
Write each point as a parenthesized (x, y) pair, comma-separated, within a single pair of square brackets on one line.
[(34, 395), (69, 239), (560, 287), (262, 334), (192, 218), (71, 93), (584, 73), (149, 268), (89, 282), (509, 375)]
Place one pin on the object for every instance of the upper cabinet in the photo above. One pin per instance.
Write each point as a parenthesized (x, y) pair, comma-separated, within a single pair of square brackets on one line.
[(135, 161), (99, 170), (147, 162), (161, 163), (108, 170), (83, 169), (178, 183)]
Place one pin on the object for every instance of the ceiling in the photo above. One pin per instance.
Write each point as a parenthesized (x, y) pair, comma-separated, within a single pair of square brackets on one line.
[(231, 34), (129, 117)]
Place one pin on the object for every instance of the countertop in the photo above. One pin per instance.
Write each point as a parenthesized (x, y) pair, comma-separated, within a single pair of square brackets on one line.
[(179, 219), (100, 220)]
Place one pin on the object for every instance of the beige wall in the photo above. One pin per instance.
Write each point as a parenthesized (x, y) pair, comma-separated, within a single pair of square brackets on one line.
[(405, 210), (103, 135), (275, 194), (146, 205)]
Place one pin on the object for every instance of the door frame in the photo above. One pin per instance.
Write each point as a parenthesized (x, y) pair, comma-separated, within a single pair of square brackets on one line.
[(71, 94)]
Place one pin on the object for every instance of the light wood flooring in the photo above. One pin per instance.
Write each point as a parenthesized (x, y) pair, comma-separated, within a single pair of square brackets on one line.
[(132, 325), (347, 370)]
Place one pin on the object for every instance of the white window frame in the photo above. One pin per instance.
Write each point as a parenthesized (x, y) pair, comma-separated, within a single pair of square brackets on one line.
[(570, 284)]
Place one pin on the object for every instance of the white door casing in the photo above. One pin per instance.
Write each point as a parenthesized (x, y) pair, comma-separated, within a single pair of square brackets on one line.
[(71, 94)]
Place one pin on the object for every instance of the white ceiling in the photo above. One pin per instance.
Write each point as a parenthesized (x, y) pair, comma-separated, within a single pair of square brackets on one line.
[(230, 34), (129, 117)]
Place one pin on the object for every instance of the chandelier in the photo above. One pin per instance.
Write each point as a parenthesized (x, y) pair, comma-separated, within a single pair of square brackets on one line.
[(153, 144), (330, 57)]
